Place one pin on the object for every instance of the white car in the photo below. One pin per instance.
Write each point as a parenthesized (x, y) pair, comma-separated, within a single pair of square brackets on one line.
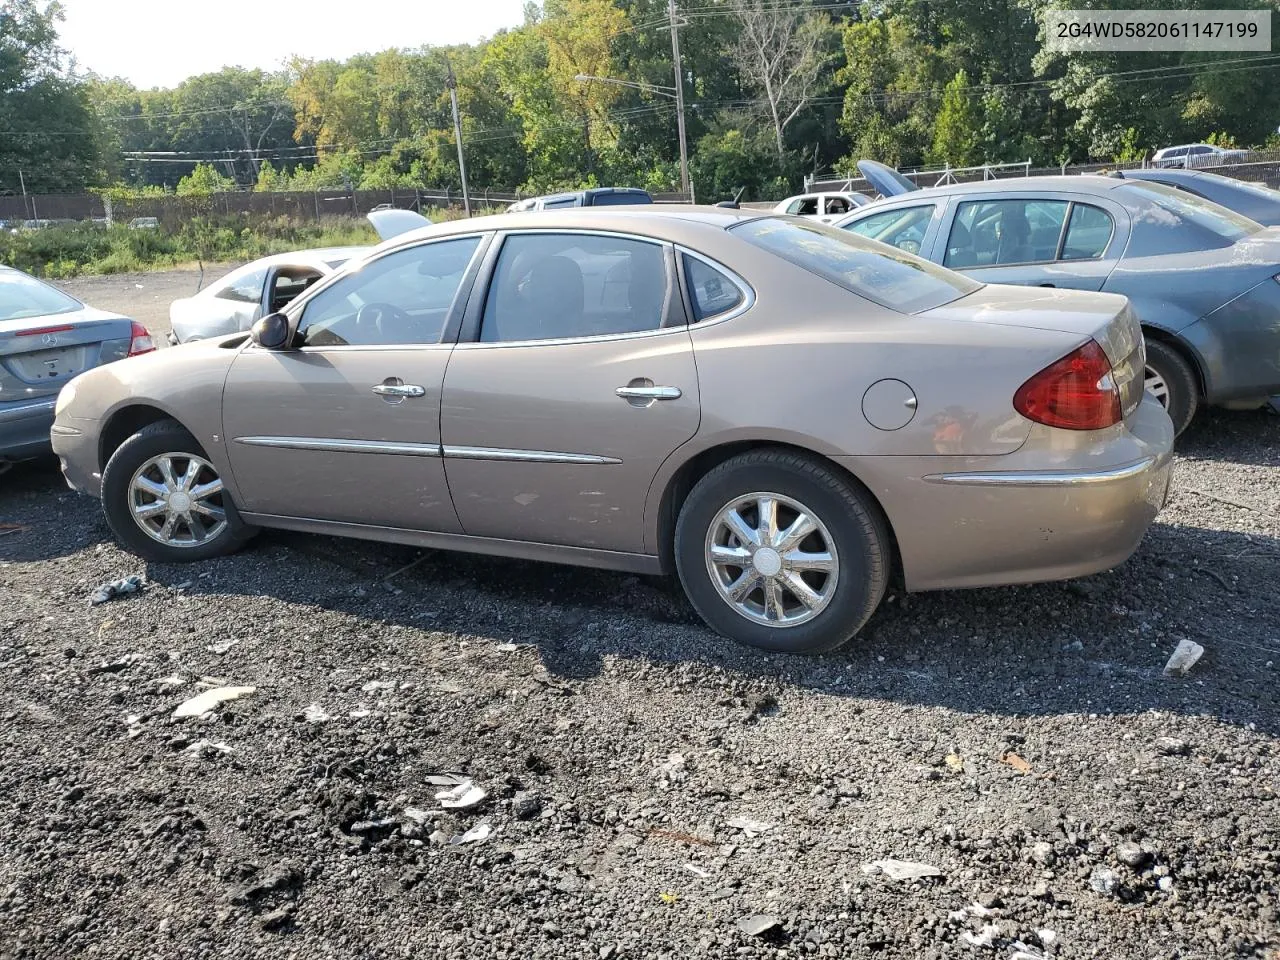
[(1196, 155), (822, 206), (252, 291)]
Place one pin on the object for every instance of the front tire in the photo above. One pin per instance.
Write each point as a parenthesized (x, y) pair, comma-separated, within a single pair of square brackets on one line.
[(1170, 379), (779, 551), (164, 500)]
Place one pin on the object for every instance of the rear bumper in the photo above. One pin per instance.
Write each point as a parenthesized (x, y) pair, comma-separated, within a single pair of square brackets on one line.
[(24, 428), (1005, 520), (76, 444)]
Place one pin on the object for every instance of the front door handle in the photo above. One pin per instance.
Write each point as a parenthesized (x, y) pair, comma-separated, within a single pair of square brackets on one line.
[(649, 393), (399, 390)]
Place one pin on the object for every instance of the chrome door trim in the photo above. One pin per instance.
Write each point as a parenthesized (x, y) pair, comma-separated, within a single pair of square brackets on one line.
[(523, 456), (1046, 478), (328, 445)]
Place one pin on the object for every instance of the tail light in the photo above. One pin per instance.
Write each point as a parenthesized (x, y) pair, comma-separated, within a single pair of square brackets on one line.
[(1077, 392), (139, 339)]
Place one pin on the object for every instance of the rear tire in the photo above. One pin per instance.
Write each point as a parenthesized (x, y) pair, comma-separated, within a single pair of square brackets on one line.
[(1172, 381), (809, 595), (164, 500)]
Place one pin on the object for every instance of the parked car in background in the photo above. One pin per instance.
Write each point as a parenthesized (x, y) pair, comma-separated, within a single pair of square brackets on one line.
[(252, 291), (583, 388), (595, 197), (822, 206), (144, 223), (46, 339), (1196, 155), (1253, 200), (1200, 277)]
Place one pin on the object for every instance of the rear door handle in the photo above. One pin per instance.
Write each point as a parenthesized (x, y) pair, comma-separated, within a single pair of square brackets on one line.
[(649, 393), (400, 390)]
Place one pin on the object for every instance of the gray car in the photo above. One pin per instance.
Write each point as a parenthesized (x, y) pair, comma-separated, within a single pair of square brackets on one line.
[(46, 339), (1201, 278), (780, 412), (1253, 200)]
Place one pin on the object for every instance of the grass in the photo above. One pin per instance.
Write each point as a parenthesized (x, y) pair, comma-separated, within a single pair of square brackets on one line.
[(88, 249)]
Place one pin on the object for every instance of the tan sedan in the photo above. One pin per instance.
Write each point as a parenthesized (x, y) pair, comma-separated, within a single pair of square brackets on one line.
[(781, 412)]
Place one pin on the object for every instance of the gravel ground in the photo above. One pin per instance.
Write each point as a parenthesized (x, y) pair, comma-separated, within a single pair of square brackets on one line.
[(1023, 742), (145, 297)]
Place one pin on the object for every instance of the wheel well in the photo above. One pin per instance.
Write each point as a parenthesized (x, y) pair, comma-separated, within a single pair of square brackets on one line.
[(690, 473), (123, 425), (1173, 343)]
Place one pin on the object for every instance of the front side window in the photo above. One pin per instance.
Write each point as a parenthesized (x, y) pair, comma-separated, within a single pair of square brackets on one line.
[(988, 233), (902, 228), (243, 286), (711, 293), (549, 286), (403, 297), (22, 296), (882, 275), (1088, 233)]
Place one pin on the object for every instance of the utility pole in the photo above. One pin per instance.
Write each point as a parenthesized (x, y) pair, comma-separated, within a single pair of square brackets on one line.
[(452, 83), (686, 186)]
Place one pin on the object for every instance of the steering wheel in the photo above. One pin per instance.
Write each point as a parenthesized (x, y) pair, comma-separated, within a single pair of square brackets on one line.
[(387, 319)]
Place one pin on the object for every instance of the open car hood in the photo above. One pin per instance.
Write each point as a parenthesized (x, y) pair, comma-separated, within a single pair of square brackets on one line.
[(392, 223), (888, 181)]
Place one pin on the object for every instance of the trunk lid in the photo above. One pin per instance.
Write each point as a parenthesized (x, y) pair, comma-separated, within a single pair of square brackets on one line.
[(1104, 317), (40, 354)]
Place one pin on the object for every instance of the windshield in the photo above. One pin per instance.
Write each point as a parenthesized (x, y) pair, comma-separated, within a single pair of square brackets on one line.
[(873, 270), (1197, 222), (22, 296)]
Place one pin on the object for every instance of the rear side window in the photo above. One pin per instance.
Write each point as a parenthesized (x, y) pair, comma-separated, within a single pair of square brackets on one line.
[(903, 228), (1088, 233), (619, 199), (710, 292), (549, 286), (243, 287), (988, 233), (1166, 220), (890, 278)]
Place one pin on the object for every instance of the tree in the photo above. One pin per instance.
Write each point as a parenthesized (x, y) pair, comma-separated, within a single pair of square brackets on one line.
[(49, 129), (957, 130), (204, 181), (781, 52)]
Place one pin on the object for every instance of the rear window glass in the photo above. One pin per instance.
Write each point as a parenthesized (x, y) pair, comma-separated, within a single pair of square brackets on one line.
[(1166, 220), (883, 275), (22, 297)]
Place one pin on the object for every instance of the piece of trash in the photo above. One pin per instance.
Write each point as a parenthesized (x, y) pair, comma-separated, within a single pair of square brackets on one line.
[(169, 684), (1024, 951), (1047, 936), (365, 827), (210, 700), (417, 815), (667, 898), (1104, 881), (183, 585), (476, 834), (1183, 659), (983, 938), (8, 528), (507, 648), (359, 714), (750, 827), (973, 910), (759, 926), (1015, 761), (1172, 747), (116, 588), (954, 763), (373, 685), (207, 748), (223, 647), (697, 871), (901, 869), (465, 794), (446, 779), (315, 714)]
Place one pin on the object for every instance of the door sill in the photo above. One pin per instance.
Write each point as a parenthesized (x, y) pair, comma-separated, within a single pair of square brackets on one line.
[(516, 549)]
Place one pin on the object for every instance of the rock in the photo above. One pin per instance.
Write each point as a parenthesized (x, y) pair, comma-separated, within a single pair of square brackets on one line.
[(276, 919), (1042, 853), (368, 827), (759, 925), (279, 878), (210, 700), (1184, 657), (1131, 855), (525, 806), (72, 795), (1165, 884), (1104, 881), (1172, 747), (901, 869), (608, 951), (750, 827)]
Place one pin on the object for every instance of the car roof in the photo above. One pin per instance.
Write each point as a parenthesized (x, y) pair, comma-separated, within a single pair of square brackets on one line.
[(655, 220), (315, 256), (1087, 183)]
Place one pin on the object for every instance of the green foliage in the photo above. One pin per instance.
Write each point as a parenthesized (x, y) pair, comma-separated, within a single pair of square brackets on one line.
[(204, 181), (1131, 149), (958, 128)]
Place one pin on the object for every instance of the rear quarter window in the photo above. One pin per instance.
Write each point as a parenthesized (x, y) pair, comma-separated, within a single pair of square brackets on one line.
[(872, 270)]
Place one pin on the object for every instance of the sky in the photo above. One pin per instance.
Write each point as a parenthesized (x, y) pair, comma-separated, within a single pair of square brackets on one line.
[(158, 43)]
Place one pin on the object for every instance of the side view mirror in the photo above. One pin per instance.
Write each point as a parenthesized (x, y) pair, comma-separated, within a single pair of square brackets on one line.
[(271, 331)]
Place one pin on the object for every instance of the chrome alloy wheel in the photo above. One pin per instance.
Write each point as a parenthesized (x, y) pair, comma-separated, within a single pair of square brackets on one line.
[(1155, 385), (772, 559), (176, 499)]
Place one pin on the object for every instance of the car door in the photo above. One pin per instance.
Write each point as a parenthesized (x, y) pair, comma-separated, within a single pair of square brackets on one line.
[(1046, 240), (345, 427), (573, 381)]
